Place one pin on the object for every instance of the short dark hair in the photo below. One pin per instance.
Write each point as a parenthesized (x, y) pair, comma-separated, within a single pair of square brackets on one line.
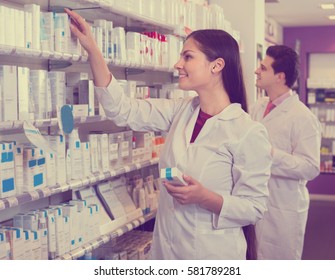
[(216, 43), (286, 60)]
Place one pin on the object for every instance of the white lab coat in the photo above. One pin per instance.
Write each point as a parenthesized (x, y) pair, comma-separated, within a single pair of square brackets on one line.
[(295, 134), (188, 231)]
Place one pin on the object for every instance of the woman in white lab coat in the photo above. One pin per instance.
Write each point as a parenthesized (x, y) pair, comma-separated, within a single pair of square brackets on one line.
[(223, 154), (295, 135)]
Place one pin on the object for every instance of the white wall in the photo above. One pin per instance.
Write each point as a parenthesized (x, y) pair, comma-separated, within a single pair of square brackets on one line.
[(248, 17), (321, 66)]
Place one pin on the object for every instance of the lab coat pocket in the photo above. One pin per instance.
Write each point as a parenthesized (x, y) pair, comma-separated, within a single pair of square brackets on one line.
[(281, 228), (220, 244)]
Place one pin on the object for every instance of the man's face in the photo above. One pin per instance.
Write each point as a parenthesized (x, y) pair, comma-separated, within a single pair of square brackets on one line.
[(265, 76)]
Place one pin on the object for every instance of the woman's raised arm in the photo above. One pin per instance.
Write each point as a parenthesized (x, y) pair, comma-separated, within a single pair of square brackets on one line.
[(82, 30)]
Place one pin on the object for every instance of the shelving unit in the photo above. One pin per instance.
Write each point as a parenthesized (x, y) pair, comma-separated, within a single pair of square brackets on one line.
[(135, 19), (79, 252), (321, 101), (73, 185), (67, 62)]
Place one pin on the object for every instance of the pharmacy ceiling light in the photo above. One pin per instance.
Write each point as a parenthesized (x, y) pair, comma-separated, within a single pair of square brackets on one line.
[(327, 6)]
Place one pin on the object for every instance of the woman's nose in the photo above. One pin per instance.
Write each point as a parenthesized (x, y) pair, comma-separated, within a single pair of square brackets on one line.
[(178, 65)]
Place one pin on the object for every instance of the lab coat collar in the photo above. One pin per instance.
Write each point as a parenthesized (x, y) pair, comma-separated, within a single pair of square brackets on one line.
[(283, 107), (293, 95), (233, 111)]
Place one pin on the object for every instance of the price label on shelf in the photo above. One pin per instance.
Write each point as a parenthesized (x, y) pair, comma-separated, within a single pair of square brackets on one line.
[(53, 122), (21, 51), (6, 125), (107, 174), (67, 56), (136, 223), (12, 201), (8, 49), (76, 184), (119, 232), (46, 192), (45, 54), (34, 195), (83, 58), (105, 239), (17, 124), (2, 204), (65, 187), (35, 53), (66, 256), (56, 189), (93, 179), (96, 177), (87, 248), (117, 61), (112, 172), (57, 55), (126, 168), (75, 57), (77, 253), (101, 176), (95, 245), (129, 227), (86, 181), (38, 123)]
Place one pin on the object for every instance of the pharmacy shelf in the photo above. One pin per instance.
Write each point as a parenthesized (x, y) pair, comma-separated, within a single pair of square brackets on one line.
[(120, 15), (74, 185), (323, 104), (94, 244), (20, 52), (12, 55), (9, 126)]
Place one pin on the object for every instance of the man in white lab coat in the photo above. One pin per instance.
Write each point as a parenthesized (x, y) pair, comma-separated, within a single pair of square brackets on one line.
[(295, 135)]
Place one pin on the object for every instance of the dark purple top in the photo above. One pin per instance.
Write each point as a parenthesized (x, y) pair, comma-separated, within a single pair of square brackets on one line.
[(202, 118)]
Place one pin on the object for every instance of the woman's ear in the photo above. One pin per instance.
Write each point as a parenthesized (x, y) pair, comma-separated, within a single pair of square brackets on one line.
[(218, 65)]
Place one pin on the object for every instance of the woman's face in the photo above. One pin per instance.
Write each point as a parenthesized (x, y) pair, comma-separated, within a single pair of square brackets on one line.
[(193, 67)]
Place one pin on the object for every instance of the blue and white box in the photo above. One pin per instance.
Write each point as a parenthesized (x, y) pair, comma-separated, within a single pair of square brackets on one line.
[(173, 176)]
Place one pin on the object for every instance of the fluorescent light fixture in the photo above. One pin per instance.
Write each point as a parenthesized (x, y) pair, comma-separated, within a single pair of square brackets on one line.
[(327, 6), (331, 17)]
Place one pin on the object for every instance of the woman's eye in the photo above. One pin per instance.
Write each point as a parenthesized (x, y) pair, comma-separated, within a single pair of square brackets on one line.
[(187, 57)]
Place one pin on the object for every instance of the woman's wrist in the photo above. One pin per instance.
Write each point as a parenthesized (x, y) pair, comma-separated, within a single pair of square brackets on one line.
[(93, 51), (211, 201)]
